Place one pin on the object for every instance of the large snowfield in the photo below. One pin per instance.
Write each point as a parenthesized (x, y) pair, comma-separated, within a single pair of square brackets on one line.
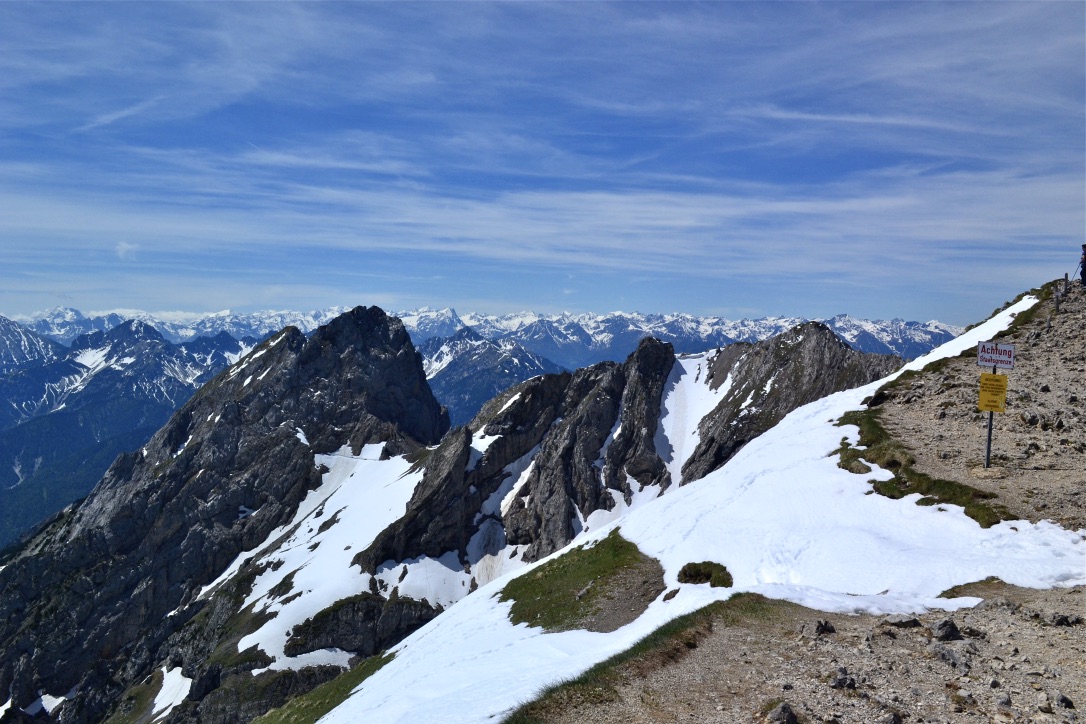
[(785, 520)]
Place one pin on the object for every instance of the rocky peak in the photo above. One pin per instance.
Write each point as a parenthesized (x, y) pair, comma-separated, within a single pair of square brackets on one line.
[(762, 382), (123, 336)]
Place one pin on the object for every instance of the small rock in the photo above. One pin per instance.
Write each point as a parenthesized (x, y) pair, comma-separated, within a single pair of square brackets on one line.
[(995, 603), (954, 656), (1043, 703), (891, 718), (1063, 701), (898, 620), (1058, 619), (782, 714), (1004, 700), (946, 630), (993, 684), (841, 680)]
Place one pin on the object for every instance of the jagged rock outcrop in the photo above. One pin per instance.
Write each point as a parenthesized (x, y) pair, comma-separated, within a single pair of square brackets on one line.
[(364, 624), (569, 417), (592, 436), (85, 603), (765, 381)]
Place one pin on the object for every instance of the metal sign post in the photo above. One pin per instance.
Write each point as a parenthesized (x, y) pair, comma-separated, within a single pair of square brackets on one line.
[(993, 386)]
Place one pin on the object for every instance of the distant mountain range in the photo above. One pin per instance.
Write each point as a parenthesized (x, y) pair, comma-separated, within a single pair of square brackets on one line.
[(66, 413), (469, 358), (570, 340)]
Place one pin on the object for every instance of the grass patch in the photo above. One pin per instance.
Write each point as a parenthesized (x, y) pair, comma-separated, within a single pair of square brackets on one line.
[(666, 645), (312, 706), (561, 593), (1043, 294), (135, 705), (716, 575), (887, 453), (979, 589)]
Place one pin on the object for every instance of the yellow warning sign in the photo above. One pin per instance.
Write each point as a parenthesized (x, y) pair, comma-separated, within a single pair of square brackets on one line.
[(993, 393)]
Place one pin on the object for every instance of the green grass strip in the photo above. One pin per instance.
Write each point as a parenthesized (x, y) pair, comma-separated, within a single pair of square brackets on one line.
[(310, 707), (888, 454)]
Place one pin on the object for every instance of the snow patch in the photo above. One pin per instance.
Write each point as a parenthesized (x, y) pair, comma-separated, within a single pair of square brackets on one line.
[(686, 400), (479, 444), (357, 499), (93, 359), (175, 687)]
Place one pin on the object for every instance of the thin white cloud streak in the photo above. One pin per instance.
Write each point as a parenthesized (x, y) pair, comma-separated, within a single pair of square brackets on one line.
[(931, 220), (106, 119), (948, 57)]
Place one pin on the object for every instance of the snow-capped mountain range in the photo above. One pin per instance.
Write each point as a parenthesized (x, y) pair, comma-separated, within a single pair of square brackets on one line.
[(569, 340), (64, 324)]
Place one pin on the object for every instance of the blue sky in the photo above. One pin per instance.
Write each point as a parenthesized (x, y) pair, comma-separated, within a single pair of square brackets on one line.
[(915, 160)]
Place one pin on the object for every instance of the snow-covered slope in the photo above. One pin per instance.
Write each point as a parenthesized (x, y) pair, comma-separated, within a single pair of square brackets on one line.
[(20, 347), (784, 519)]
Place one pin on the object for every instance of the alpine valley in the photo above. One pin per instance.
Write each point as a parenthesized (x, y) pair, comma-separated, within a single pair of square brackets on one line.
[(309, 537)]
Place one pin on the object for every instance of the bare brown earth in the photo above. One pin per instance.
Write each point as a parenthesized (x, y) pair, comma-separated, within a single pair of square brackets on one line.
[(1021, 655)]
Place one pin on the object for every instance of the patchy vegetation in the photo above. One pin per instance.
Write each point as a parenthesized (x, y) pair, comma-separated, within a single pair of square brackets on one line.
[(716, 575), (565, 593), (887, 453), (136, 705), (312, 706), (980, 589)]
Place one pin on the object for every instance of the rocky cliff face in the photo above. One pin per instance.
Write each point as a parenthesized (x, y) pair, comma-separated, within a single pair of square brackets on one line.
[(85, 604)]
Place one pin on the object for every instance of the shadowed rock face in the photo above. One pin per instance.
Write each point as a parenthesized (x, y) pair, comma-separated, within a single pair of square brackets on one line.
[(85, 602), (569, 418)]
